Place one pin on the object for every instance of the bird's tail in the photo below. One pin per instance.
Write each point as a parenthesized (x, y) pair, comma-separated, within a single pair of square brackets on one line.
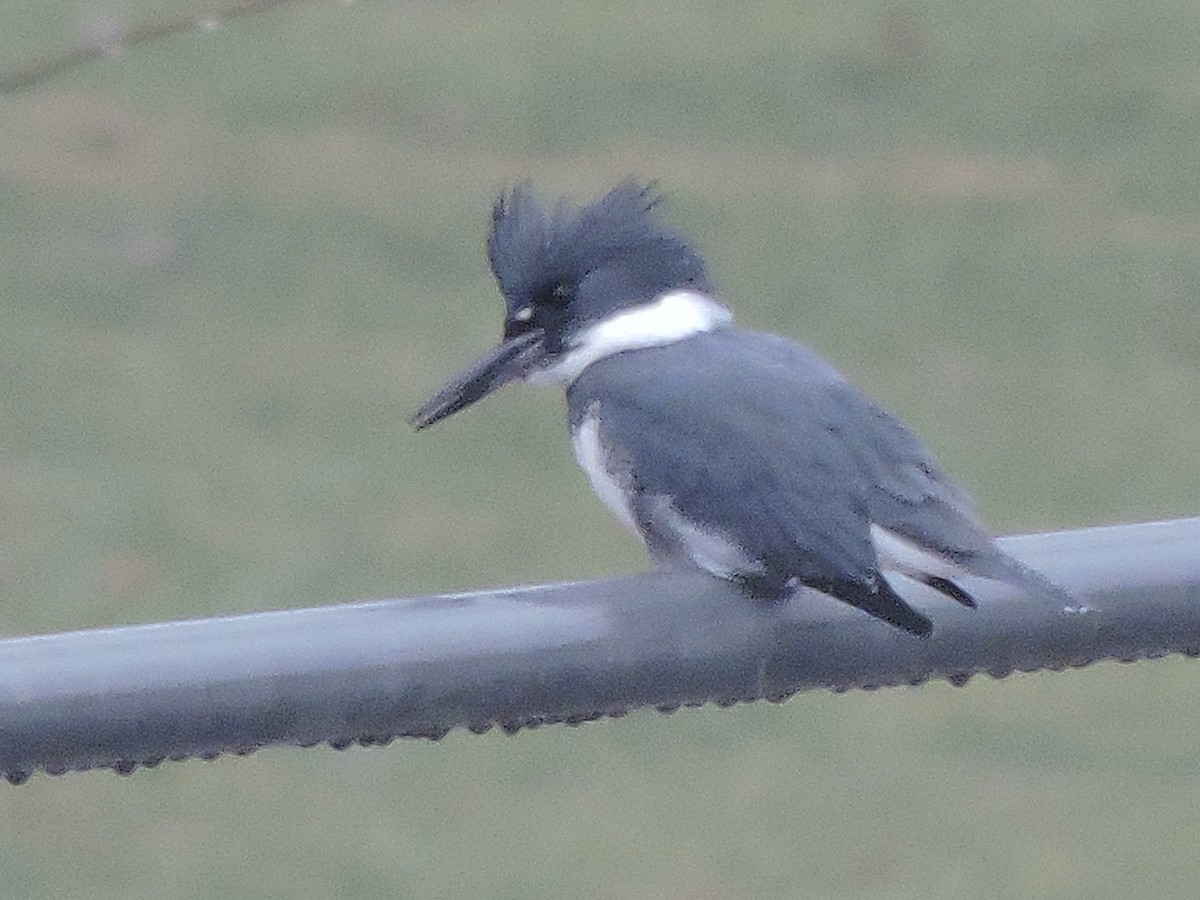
[(875, 597), (880, 600), (1002, 567), (942, 567)]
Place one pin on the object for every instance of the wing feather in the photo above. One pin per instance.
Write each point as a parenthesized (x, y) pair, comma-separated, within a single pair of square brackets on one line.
[(764, 443)]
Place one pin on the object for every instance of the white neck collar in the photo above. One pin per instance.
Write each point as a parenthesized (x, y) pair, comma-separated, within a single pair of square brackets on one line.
[(670, 318)]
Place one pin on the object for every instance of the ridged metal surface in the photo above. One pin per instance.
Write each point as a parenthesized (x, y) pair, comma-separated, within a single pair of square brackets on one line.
[(369, 672)]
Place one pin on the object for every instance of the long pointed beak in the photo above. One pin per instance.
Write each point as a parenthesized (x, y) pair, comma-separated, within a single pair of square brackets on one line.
[(507, 362)]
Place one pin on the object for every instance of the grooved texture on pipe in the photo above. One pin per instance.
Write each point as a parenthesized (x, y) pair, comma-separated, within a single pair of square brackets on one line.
[(369, 672)]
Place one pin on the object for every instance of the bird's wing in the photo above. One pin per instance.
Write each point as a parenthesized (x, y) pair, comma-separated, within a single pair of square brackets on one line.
[(816, 482), (741, 446), (922, 524)]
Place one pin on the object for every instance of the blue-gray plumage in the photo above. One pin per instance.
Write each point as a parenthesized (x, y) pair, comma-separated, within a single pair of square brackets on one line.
[(741, 452)]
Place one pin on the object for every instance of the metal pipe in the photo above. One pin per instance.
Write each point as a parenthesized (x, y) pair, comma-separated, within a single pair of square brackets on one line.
[(369, 672)]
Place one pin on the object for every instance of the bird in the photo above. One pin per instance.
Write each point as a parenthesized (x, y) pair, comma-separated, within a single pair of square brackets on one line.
[(740, 452)]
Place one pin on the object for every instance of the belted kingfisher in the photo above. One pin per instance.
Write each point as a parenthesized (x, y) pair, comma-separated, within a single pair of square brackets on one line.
[(740, 452)]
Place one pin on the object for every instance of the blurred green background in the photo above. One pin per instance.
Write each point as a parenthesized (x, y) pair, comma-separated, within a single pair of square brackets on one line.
[(233, 261)]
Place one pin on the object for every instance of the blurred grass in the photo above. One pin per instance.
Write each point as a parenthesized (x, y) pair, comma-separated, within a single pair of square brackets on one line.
[(233, 262)]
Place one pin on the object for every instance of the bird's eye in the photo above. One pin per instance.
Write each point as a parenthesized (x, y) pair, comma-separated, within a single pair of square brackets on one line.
[(524, 314)]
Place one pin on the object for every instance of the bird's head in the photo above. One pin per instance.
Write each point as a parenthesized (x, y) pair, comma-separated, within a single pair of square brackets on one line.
[(581, 283)]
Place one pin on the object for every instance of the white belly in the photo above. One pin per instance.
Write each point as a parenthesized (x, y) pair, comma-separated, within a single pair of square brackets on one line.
[(705, 547), (593, 459)]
